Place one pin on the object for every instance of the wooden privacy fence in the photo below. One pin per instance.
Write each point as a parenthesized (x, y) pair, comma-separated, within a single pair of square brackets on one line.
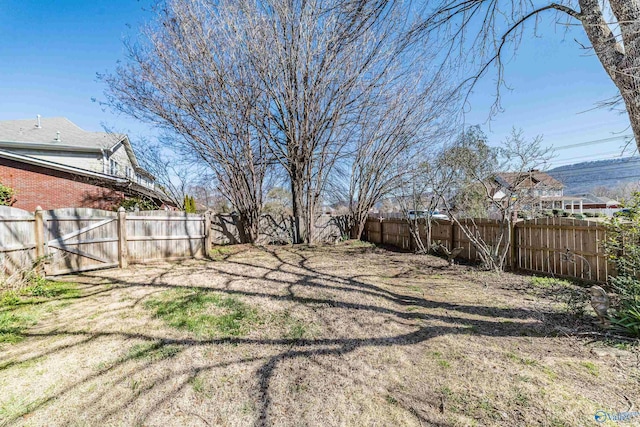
[(558, 246), (277, 229), (79, 239)]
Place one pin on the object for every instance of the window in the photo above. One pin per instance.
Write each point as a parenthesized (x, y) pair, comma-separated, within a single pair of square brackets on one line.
[(113, 167), (129, 172)]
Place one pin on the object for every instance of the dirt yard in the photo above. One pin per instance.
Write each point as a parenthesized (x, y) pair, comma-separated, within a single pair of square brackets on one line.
[(348, 335)]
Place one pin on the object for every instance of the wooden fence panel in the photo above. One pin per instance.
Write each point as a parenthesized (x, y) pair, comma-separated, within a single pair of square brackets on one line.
[(17, 241), (441, 231), (563, 247), (157, 235), (556, 246), (373, 231), (487, 229), (81, 239), (460, 240), (396, 233)]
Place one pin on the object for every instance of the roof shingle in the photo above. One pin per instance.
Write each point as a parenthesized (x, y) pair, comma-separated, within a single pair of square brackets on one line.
[(530, 179), (27, 132)]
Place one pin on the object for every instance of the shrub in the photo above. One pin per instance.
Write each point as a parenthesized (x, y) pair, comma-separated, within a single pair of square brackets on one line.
[(623, 249), (595, 215), (132, 203), (578, 216), (189, 204), (7, 195)]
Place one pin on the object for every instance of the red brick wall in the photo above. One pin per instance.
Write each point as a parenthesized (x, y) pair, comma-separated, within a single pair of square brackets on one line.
[(53, 189)]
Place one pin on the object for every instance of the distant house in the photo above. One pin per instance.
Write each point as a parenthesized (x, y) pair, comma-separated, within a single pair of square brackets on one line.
[(534, 182), (587, 202), (53, 163), (538, 189)]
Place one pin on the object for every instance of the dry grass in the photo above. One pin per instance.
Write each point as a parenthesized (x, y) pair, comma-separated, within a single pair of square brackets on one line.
[(346, 335)]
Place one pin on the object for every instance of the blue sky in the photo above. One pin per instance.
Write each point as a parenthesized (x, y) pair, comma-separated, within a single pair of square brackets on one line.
[(51, 51), (555, 87)]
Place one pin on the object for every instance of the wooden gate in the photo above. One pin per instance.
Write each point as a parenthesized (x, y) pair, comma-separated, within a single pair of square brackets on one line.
[(80, 239)]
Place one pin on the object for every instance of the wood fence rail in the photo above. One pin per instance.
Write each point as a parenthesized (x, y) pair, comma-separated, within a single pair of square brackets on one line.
[(79, 239), (564, 247)]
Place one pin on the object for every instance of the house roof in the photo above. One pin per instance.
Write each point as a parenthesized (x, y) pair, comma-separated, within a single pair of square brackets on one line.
[(25, 134), (529, 179), (70, 136)]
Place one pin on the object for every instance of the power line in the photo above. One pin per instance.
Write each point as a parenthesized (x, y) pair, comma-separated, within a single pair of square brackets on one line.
[(583, 172), (617, 178), (596, 156), (585, 164), (593, 142)]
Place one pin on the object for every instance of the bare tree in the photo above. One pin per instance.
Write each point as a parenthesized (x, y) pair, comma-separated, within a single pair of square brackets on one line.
[(403, 122), (481, 32), (205, 191), (478, 172), (425, 179), (320, 64), (191, 78), (622, 191), (173, 176), (278, 202), (414, 197), (247, 84)]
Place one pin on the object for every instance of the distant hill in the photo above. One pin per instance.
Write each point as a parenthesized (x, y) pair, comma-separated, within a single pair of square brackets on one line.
[(583, 177)]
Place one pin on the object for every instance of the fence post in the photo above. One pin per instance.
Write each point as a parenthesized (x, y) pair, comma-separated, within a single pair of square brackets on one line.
[(39, 237), (513, 250), (453, 235), (122, 238), (382, 231), (207, 233)]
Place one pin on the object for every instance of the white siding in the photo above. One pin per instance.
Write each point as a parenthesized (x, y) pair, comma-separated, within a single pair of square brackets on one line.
[(91, 161), (87, 161), (122, 158)]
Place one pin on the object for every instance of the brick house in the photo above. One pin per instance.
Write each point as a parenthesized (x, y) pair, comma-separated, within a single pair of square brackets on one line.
[(53, 163)]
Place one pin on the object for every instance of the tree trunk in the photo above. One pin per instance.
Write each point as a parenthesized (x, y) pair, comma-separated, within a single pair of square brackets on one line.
[(629, 87), (309, 220), (297, 204), (359, 227), (619, 57), (241, 224)]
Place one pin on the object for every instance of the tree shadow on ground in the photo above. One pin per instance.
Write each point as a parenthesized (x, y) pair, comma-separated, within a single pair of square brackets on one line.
[(294, 278)]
